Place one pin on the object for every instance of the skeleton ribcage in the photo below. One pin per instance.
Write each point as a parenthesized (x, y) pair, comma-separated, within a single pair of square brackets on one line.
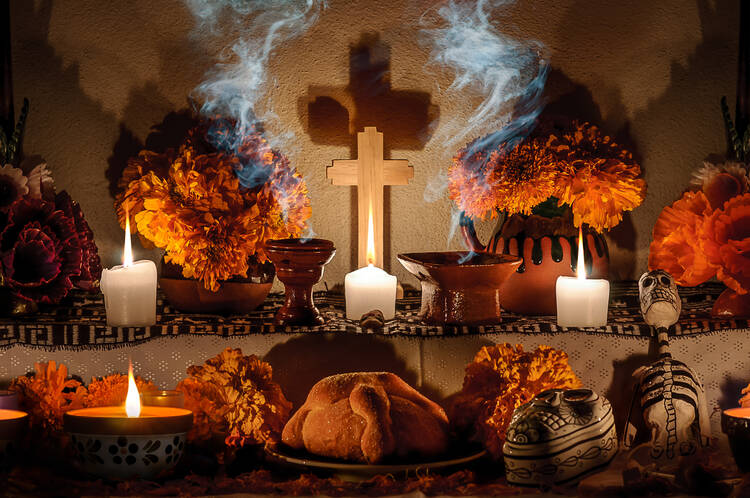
[(668, 381)]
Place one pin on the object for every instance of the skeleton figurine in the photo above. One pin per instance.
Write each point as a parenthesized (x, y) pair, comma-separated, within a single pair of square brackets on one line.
[(671, 396)]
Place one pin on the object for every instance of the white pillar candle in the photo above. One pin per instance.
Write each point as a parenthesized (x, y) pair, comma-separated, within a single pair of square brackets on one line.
[(581, 302), (130, 290), (368, 289)]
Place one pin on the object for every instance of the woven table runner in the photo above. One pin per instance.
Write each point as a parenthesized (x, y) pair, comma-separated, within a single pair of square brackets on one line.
[(80, 320)]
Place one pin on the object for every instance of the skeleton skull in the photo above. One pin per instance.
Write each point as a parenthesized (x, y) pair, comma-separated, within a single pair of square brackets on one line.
[(660, 302)]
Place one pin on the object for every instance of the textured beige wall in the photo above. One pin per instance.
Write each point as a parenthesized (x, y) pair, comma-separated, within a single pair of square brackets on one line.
[(100, 74)]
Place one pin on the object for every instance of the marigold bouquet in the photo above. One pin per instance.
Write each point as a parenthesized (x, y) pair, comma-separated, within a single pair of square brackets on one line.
[(573, 166), (706, 232), (500, 379), (234, 396), (49, 392), (213, 204)]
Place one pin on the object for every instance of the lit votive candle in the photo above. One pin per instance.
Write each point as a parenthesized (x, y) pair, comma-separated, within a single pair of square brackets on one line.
[(164, 397), (582, 302), (130, 290), (370, 288), (122, 442)]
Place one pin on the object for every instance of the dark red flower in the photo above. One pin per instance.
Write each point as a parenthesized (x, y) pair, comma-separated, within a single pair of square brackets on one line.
[(91, 265), (40, 251)]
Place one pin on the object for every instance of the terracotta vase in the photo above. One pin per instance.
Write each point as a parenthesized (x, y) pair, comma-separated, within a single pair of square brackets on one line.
[(729, 304), (458, 287), (238, 295), (549, 249), (299, 265)]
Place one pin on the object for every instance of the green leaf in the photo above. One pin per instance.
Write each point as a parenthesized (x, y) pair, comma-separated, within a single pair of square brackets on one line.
[(550, 208), (733, 139), (3, 146), (15, 142)]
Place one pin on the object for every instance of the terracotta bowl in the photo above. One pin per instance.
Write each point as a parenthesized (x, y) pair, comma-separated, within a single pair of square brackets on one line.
[(735, 423), (239, 295), (460, 287)]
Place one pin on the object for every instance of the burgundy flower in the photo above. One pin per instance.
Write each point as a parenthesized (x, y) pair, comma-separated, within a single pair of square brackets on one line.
[(91, 265), (40, 251)]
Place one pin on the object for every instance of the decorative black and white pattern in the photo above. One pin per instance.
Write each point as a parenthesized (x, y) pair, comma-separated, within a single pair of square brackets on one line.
[(80, 320)]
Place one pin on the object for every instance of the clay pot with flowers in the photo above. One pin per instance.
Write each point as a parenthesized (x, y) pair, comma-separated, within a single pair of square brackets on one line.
[(560, 178), (212, 205)]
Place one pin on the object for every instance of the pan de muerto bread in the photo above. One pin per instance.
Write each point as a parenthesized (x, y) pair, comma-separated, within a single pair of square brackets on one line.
[(367, 417)]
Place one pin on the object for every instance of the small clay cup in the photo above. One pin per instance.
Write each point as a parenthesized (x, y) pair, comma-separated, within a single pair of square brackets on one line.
[(735, 423), (460, 287), (299, 265)]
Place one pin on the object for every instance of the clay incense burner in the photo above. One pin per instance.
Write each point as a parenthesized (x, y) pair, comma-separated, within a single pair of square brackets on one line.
[(460, 287), (299, 265)]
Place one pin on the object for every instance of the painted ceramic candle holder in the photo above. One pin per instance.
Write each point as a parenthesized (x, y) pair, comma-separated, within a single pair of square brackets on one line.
[(12, 426), (460, 287), (735, 423), (109, 444), (559, 437), (299, 265)]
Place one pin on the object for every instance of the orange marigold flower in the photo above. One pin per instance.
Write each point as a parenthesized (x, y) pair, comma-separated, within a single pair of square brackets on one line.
[(677, 233), (47, 394), (500, 379), (510, 178), (726, 243), (599, 180), (745, 399), (212, 212), (111, 390), (235, 396)]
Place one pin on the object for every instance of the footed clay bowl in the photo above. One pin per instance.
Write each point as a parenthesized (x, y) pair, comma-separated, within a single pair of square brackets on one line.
[(735, 423), (299, 265), (460, 287), (12, 426)]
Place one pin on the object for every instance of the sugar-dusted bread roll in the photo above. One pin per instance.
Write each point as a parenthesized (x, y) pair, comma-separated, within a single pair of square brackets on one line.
[(367, 417)]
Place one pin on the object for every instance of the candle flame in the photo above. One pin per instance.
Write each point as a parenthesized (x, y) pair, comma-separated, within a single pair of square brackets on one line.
[(581, 266), (133, 400), (127, 253), (370, 240)]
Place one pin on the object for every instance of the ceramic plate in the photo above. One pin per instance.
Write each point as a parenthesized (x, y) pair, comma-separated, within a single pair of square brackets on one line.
[(289, 456)]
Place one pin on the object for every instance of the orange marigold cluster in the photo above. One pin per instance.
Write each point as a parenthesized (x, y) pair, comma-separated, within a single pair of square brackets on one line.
[(47, 394), (500, 379), (706, 232), (579, 166), (192, 204), (234, 396), (112, 390), (598, 178)]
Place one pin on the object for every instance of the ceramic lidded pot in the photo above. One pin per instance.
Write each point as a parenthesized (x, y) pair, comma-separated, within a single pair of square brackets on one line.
[(735, 423), (559, 437), (460, 287), (548, 247)]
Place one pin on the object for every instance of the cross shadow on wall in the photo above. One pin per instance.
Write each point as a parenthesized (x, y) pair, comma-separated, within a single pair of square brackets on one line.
[(333, 115)]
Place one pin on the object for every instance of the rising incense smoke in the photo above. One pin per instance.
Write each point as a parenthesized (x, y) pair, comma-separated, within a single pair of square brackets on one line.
[(505, 74), (237, 87)]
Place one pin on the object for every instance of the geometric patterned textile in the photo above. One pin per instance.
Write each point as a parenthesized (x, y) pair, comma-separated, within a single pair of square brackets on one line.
[(80, 322)]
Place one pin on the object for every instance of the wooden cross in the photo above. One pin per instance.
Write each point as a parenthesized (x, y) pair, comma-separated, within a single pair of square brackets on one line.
[(370, 172)]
